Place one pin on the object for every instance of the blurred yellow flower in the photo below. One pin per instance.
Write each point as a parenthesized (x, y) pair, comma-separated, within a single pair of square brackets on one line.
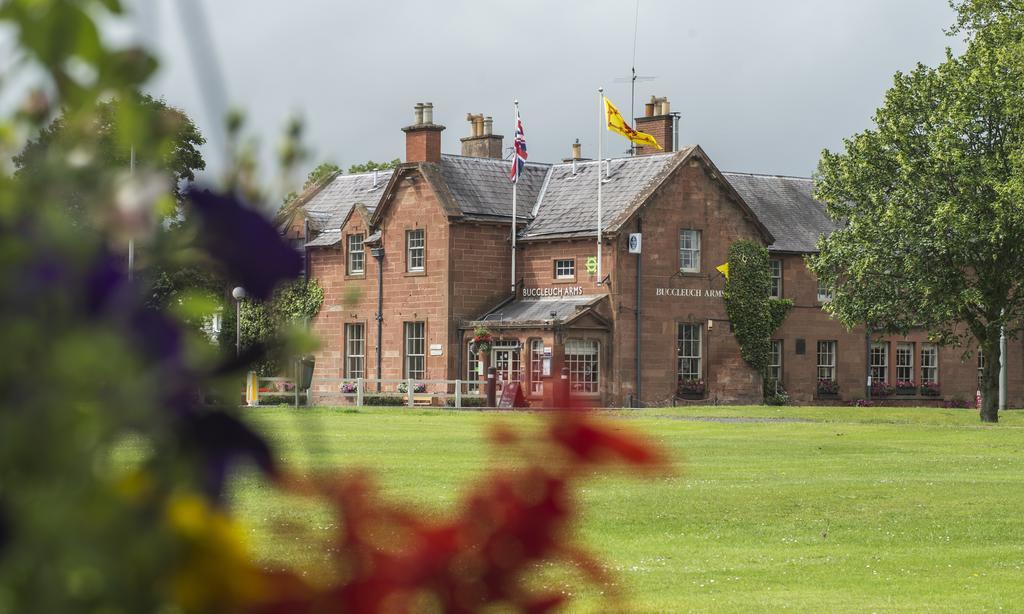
[(216, 571)]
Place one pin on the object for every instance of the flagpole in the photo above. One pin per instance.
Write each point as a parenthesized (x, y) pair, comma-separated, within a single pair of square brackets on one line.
[(515, 161), (600, 143)]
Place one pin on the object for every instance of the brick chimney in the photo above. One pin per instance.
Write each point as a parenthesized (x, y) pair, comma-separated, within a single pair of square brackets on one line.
[(481, 143), (658, 121), (423, 138)]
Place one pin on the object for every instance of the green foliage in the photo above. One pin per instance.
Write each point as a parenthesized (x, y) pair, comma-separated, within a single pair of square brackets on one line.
[(932, 195), (292, 306), (370, 165), (754, 315)]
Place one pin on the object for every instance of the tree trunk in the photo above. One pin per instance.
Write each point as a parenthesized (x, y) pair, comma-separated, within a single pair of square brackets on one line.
[(990, 380)]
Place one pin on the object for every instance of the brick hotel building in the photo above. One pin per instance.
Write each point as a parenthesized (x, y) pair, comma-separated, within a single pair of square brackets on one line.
[(422, 253)]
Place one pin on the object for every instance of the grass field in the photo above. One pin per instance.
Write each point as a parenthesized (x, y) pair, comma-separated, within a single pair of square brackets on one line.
[(807, 509)]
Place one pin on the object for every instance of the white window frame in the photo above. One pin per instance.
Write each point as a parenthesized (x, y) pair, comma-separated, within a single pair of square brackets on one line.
[(691, 253), (355, 350), (904, 351), (583, 358), (827, 358), (565, 268), (356, 251), (824, 294), (879, 362), (415, 250), (929, 363), (472, 369), (775, 361), (414, 338), (775, 269), (981, 367), (536, 367), (689, 351)]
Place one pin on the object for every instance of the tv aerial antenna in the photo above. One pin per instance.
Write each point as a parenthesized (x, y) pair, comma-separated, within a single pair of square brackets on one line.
[(633, 77)]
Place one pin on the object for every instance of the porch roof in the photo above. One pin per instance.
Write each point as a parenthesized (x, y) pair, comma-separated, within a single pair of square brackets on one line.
[(542, 311)]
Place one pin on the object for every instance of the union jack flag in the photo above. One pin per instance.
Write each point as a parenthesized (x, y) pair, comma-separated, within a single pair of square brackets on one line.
[(519, 151)]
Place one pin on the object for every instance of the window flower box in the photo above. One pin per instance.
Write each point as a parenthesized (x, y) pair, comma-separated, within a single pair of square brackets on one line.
[(691, 389), (828, 389), (906, 387), (930, 389), (881, 389)]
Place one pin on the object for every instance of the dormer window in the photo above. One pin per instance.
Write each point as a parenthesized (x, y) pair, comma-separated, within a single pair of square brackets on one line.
[(356, 254)]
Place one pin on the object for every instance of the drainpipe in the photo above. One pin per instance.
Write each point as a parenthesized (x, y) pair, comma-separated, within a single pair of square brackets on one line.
[(867, 362), (1003, 374), (378, 254), (636, 387)]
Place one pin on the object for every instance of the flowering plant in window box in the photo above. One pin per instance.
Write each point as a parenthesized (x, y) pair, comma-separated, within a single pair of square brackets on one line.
[(482, 339), (930, 389), (881, 389), (828, 388), (691, 388), (348, 388), (906, 386), (403, 388)]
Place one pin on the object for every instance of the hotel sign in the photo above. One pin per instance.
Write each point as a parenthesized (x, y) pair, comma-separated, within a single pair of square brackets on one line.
[(689, 292), (557, 291)]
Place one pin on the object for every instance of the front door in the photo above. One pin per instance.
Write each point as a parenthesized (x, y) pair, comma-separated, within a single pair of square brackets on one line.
[(505, 361)]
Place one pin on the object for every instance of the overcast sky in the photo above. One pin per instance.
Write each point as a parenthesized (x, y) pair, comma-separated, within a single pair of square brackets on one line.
[(762, 85)]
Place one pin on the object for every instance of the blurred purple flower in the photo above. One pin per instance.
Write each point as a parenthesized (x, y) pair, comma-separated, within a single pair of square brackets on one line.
[(221, 440), (244, 241)]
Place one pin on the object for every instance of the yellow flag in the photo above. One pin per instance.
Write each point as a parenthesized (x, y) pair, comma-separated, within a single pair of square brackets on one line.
[(616, 123), (723, 269)]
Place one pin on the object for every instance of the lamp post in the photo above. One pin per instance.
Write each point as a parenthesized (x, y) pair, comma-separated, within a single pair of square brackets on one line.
[(238, 294)]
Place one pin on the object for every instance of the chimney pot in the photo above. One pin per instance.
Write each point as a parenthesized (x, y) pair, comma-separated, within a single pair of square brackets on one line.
[(649, 109), (488, 125), (577, 151), (664, 106), (423, 138)]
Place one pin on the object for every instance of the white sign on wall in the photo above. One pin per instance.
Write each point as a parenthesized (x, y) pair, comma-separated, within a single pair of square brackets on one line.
[(556, 291), (436, 349), (689, 292), (634, 242)]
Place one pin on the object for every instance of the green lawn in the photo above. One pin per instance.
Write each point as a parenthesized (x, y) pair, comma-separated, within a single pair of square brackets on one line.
[(837, 509)]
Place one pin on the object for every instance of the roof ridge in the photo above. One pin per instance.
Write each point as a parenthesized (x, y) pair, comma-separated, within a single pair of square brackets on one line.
[(777, 176), (492, 160)]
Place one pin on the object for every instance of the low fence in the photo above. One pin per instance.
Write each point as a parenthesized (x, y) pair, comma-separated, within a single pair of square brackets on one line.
[(409, 392), (281, 388)]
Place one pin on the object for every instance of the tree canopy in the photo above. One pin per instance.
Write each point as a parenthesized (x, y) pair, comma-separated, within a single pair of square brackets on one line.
[(932, 199)]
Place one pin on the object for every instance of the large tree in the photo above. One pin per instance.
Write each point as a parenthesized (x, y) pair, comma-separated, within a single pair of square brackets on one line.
[(933, 198)]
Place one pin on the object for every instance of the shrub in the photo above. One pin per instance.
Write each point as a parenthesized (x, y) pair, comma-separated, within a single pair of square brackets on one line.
[(467, 401), (862, 403), (778, 398), (403, 388), (956, 403), (391, 400)]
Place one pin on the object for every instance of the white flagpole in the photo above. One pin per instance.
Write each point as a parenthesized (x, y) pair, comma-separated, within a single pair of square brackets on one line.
[(515, 161), (600, 142)]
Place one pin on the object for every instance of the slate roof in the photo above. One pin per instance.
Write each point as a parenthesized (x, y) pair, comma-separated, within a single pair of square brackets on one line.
[(568, 203), (787, 207), (538, 310), (480, 186), (326, 238), (328, 207), (556, 203)]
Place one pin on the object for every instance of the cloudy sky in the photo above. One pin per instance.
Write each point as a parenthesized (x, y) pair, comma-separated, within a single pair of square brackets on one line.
[(762, 85)]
